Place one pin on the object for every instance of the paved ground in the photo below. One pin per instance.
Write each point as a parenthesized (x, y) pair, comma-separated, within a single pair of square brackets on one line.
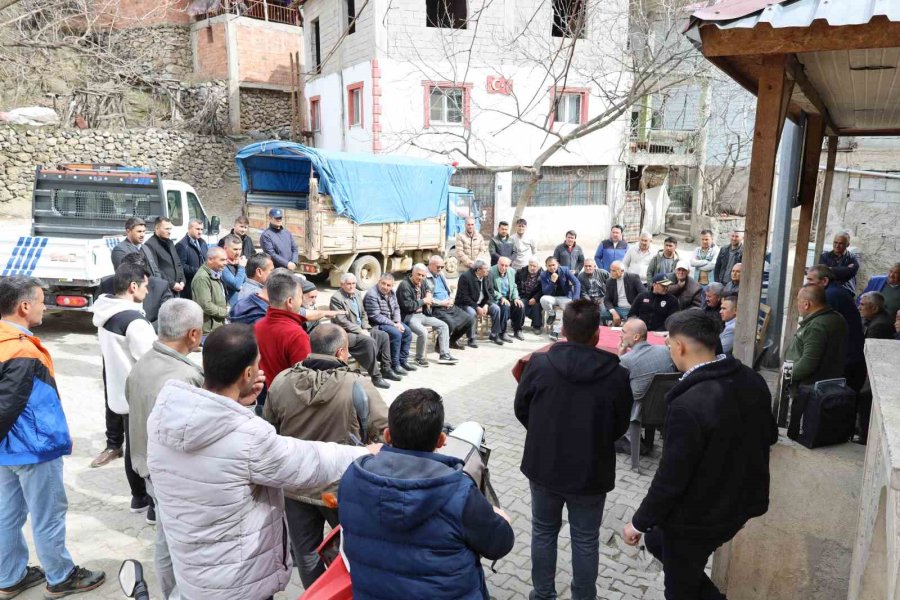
[(102, 532)]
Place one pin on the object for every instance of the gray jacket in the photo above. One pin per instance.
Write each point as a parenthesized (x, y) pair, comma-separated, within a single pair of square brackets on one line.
[(147, 377), (339, 301), (218, 471)]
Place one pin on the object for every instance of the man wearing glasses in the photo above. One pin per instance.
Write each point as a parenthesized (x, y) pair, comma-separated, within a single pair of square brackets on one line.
[(442, 306), (277, 242)]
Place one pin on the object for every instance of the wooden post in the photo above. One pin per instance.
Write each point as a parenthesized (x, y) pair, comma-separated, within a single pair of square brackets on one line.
[(825, 200), (302, 116), (234, 75), (265, 10), (771, 108), (812, 152), (293, 100)]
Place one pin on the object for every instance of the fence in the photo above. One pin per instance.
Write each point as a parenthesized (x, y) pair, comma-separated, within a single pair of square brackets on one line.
[(263, 10)]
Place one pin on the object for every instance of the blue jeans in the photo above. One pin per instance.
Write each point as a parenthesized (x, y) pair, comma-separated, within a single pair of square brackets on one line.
[(585, 515), (400, 342), (494, 312), (37, 490)]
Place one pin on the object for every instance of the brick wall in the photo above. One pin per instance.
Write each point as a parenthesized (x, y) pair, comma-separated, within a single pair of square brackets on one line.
[(212, 57), (264, 51)]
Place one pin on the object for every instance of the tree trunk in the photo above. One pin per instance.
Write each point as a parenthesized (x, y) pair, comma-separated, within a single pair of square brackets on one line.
[(526, 196), (7, 3)]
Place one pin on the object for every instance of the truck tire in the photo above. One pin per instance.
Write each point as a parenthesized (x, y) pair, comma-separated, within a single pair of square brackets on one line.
[(367, 269), (451, 266)]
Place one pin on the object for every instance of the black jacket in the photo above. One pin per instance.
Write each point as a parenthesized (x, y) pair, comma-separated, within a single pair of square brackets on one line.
[(575, 401), (574, 260), (499, 247), (654, 309), (633, 288), (881, 327), (191, 261), (722, 263), (467, 290), (166, 257), (714, 472), (408, 300), (521, 276), (157, 292), (247, 248)]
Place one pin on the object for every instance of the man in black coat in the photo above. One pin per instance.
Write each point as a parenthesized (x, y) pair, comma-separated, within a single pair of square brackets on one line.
[(192, 253), (714, 472), (528, 282), (240, 229), (575, 401), (162, 248), (475, 295), (157, 288), (655, 306), (621, 290)]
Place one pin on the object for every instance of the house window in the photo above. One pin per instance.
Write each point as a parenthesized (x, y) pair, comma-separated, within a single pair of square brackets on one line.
[(564, 186), (316, 46), (569, 106), (451, 14), (315, 111), (351, 16), (446, 105), (569, 17), (354, 105)]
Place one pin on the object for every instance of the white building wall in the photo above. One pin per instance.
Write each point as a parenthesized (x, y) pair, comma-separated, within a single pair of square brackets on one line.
[(335, 133)]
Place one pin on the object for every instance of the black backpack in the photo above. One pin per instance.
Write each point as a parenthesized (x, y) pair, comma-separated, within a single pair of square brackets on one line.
[(823, 414)]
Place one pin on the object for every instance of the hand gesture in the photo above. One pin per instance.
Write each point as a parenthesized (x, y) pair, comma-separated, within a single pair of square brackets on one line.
[(249, 398), (242, 261), (631, 535), (178, 286), (554, 277), (479, 310), (291, 266)]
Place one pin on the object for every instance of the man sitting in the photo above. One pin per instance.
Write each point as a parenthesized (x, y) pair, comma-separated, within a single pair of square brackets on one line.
[(383, 310), (208, 291), (559, 286), (370, 347), (877, 323), (314, 401), (684, 287), (442, 307), (622, 289), (733, 287), (415, 525), (528, 283), (506, 295), (655, 306), (728, 314), (593, 284), (416, 300), (712, 302), (475, 295)]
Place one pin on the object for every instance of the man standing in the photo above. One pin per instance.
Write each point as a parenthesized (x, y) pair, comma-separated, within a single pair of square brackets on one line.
[(241, 226), (470, 245), (252, 307), (180, 332), (208, 290), (370, 347), (415, 302), (559, 286), (569, 254), (192, 253), (316, 400), (877, 323), (442, 307), (135, 229), (730, 256), (728, 314), (528, 282), (712, 302), (524, 246), (704, 259), (277, 242), (611, 250), (714, 475), (501, 244), (475, 295), (213, 430), (593, 284), (665, 260), (575, 402), (235, 272), (638, 258), (33, 439), (282, 340), (165, 256), (158, 291), (688, 291), (733, 287), (506, 295), (843, 265), (258, 268), (383, 310), (655, 306), (622, 289), (125, 335)]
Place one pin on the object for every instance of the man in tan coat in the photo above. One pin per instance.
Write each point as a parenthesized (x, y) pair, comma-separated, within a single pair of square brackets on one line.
[(470, 246)]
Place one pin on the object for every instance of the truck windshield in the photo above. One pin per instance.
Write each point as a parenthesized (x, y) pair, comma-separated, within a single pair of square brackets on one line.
[(195, 211), (176, 215)]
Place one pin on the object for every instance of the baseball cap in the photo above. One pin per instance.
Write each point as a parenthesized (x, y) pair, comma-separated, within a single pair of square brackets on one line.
[(662, 279), (683, 264), (276, 213), (308, 286)]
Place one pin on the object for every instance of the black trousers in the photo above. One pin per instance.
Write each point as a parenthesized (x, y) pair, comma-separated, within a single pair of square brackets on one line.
[(115, 428), (535, 313), (116, 436), (306, 528), (684, 563), (371, 351)]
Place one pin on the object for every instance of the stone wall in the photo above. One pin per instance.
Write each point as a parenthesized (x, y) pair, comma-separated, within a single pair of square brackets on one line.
[(163, 49), (264, 109), (205, 162)]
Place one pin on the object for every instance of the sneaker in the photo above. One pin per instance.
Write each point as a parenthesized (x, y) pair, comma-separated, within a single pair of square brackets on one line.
[(151, 515), (456, 345), (140, 504), (551, 318), (408, 367), (399, 370), (389, 374), (554, 336), (472, 344), (447, 359), (379, 382), (33, 576), (422, 363), (496, 340), (81, 580), (506, 339), (519, 336), (106, 456)]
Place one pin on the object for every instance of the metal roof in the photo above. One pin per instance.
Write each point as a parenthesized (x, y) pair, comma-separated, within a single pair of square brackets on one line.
[(796, 13)]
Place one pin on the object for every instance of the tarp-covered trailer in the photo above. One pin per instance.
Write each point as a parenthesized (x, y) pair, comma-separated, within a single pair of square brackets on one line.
[(359, 213)]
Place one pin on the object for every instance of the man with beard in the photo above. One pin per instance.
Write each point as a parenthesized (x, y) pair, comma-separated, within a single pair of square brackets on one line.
[(165, 255)]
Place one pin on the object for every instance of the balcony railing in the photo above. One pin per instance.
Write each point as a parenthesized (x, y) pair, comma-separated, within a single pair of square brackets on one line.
[(263, 10), (663, 141)]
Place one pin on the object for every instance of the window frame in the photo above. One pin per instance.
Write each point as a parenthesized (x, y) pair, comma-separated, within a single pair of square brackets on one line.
[(458, 22), (555, 93), (316, 45), (350, 8), (175, 217), (353, 119), (315, 114), (466, 107), (561, 26)]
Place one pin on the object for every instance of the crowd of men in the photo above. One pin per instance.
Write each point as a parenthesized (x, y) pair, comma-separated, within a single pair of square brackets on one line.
[(267, 352)]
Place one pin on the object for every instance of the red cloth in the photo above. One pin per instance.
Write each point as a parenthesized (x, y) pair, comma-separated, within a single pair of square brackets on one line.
[(282, 341), (609, 341)]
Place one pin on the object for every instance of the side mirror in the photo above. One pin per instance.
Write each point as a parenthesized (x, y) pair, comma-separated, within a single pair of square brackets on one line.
[(214, 224), (130, 574)]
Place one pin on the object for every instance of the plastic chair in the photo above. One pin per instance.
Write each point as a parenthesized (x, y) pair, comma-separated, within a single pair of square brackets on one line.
[(653, 412)]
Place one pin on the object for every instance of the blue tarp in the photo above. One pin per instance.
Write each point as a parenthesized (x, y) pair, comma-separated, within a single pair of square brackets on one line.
[(367, 188)]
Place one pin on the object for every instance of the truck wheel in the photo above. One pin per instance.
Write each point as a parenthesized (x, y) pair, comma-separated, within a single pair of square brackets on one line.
[(367, 270), (451, 267)]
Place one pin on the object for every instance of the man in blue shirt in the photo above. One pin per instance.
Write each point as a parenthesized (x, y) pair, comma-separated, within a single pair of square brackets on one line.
[(443, 307)]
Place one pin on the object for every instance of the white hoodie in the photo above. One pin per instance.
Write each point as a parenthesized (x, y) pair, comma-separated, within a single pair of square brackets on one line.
[(121, 346)]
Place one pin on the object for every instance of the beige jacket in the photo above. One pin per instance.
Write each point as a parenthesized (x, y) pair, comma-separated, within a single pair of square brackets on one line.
[(468, 249)]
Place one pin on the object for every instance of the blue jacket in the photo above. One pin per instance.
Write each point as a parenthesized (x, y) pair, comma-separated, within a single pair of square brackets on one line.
[(33, 426), (233, 277), (606, 255), (840, 299), (569, 283), (280, 245), (404, 517), (249, 310)]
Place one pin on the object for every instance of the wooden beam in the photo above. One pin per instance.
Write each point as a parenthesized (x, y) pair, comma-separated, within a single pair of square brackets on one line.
[(817, 37), (771, 109), (855, 131), (798, 74), (825, 200), (812, 152)]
